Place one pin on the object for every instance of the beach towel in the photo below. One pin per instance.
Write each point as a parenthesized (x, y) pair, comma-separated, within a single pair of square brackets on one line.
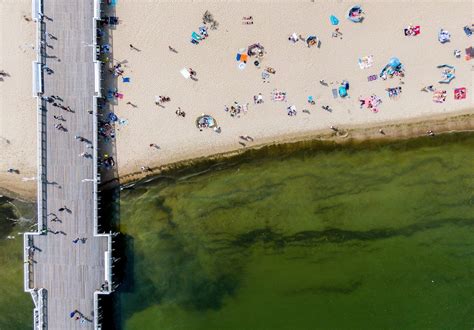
[(185, 73), (335, 93), (444, 36), (372, 77), (412, 30), (278, 96), (342, 91), (394, 92), (467, 31), (196, 36), (460, 93), (439, 96), (366, 62), (469, 53), (119, 95), (126, 79)]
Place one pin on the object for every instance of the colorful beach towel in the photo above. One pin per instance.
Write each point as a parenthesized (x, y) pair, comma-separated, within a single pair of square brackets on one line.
[(412, 30), (278, 95), (372, 77), (439, 96), (460, 93), (394, 92), (366, 62)]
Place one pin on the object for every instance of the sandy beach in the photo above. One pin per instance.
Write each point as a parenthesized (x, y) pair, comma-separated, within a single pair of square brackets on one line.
[(153, 70), (17, 105)]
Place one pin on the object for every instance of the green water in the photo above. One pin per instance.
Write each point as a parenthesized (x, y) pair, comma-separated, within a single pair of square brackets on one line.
[(16, 306), (375, 237)]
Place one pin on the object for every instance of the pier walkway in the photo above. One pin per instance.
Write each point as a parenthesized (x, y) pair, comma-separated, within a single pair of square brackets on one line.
[(67, 262)]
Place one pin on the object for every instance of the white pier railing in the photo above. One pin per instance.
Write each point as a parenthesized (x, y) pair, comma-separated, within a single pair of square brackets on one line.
[(108, 260), (38, 295)]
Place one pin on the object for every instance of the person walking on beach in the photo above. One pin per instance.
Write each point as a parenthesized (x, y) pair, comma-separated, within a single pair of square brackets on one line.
[(172, 49), (154, 145), (59, 118), (132, 47)]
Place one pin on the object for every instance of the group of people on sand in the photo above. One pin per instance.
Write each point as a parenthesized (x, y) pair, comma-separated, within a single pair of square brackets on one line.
[(236, 109)]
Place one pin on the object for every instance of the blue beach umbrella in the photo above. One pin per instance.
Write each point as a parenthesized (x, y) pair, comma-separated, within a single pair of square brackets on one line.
[(334, 20), (394, 62)]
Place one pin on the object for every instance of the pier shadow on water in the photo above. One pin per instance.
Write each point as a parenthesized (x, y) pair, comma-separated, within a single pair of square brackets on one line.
[(16, 306)]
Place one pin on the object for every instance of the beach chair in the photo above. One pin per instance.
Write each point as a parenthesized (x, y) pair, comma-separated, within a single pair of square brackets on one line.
[(126, 79)]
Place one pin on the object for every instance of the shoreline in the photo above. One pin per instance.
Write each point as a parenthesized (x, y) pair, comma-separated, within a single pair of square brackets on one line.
[(462, 121)]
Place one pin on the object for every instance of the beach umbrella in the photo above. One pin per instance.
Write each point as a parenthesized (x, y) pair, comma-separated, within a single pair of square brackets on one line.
[(334, 20), (355, 14), (394, 62), (255, 49), (312, 41)]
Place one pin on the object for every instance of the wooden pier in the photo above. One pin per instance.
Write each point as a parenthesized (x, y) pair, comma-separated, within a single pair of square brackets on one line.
[(67, 262)]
